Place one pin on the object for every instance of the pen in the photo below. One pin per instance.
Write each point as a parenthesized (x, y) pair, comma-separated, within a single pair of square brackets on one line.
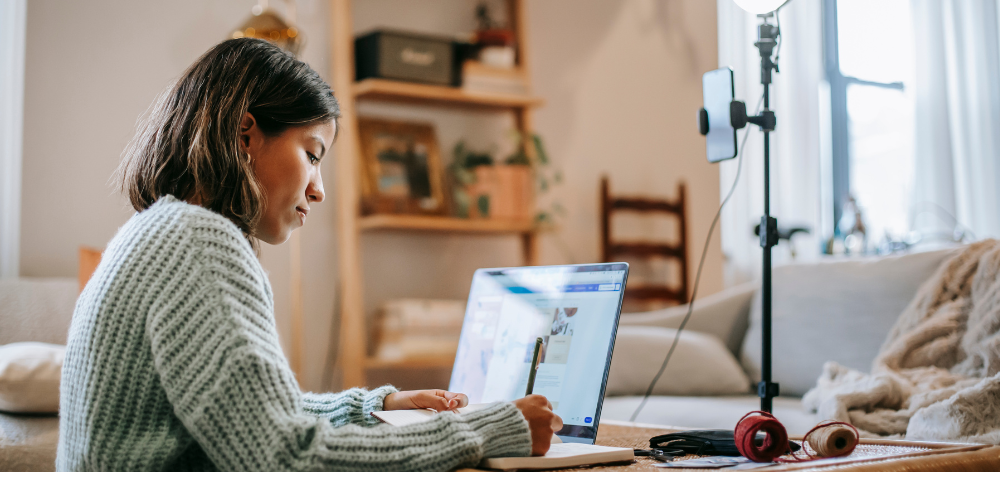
[(534, 366)]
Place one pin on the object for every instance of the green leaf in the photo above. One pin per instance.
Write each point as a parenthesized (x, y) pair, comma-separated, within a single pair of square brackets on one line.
[(515, 135), (484, 205), (461, 203), (466, 159), (543, 158), (518, 158), (474, 160)]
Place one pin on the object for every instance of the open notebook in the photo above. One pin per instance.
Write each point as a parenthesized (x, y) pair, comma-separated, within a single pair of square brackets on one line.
[(559, 455)]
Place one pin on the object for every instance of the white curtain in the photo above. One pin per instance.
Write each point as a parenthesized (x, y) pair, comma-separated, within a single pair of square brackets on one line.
[(12, 26), (957, 120), (796, 149)]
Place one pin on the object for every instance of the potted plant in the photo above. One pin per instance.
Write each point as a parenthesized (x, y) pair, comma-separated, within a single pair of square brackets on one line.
[(484, 189), (546, 176), (470, 174)]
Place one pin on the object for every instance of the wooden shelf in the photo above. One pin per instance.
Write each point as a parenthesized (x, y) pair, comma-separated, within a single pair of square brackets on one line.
[(352, 336), (428, 362), (444, 224), (416, 93)]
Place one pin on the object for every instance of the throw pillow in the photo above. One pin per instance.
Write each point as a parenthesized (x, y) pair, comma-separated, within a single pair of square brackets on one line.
[(700, 366), (29, 377), (838, 310)]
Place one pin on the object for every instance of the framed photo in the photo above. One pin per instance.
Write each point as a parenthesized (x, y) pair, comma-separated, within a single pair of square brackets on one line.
[(402, 171)]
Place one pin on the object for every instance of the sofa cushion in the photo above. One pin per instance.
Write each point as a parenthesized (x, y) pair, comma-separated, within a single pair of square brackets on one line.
[(839, 310), (700, 365), (29, 377), (720, 412), (725, 314), (36, 310)]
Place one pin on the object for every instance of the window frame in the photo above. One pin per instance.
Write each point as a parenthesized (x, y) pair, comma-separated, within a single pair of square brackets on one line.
[(840, 142)]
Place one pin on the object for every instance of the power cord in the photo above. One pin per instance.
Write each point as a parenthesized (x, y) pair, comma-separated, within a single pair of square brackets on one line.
[(708, 239), (701, 264), (941, 211)]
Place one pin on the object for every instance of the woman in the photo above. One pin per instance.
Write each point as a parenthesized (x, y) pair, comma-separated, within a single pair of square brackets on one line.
[(173, 360)]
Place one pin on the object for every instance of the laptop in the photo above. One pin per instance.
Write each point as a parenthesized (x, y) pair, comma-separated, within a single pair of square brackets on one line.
[(573, 309)]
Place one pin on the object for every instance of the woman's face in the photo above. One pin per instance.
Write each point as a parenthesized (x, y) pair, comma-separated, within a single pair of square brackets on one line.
[(287, 166)]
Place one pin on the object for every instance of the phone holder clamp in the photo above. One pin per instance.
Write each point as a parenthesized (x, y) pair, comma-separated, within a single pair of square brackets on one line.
[(738, 118)]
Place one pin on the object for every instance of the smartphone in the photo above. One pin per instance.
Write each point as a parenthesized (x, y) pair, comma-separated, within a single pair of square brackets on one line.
[(717, 93)]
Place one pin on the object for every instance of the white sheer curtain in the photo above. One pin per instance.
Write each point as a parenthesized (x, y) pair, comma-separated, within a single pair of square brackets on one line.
[(12, 26), (796, 159), (958, 113)]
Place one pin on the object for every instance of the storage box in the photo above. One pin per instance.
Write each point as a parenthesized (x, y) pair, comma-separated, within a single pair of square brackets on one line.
[(406, 56)]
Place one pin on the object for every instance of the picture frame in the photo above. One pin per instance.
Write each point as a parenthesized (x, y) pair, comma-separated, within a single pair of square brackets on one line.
[(402, 171)]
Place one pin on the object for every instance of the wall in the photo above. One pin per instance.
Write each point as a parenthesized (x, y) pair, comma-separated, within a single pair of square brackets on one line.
[(621, 80), (92, 68)]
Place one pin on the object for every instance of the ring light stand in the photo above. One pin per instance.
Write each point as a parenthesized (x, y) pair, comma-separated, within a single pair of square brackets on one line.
[(767, 35)]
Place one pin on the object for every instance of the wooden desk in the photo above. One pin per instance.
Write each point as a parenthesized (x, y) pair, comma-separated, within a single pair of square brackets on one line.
[(870, 455)]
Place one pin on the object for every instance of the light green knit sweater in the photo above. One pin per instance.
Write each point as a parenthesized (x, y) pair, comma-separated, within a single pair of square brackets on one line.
[(173, 363)]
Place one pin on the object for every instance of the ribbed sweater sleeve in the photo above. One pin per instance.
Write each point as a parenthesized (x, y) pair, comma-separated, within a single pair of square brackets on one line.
[(216, 351), (353, 406)]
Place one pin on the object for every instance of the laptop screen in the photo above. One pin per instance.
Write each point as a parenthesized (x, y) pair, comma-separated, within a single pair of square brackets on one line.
[(573, 309)]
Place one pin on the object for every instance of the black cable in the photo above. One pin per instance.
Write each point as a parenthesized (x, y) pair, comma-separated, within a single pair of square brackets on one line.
[(708, 239), (701, 264), (777, 24)]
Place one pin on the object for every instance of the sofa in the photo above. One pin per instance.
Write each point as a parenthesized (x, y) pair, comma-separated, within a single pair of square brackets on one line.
[(37, 311), (837, 309)]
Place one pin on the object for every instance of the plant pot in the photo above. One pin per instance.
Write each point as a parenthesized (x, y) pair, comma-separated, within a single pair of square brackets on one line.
[(502, 192)]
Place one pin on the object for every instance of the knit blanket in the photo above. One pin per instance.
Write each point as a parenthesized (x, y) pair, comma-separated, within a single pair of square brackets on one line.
[(936, 376)]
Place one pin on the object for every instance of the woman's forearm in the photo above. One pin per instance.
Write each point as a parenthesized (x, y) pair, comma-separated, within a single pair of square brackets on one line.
[(353, 406)]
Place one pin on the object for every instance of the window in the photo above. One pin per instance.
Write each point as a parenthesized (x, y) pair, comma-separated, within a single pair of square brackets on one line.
[(869, 61)]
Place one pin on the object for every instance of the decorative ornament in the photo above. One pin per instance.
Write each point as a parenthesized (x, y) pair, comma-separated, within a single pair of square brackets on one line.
[(266, 24)]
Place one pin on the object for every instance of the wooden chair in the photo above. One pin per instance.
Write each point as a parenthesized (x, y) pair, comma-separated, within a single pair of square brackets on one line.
[(90, 258), (615, 249)]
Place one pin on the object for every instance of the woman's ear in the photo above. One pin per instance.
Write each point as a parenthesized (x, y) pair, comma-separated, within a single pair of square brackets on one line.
[(249, 131)]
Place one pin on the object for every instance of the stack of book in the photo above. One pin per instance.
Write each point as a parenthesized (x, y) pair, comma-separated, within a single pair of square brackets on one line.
[(479, 77), (416, 328)]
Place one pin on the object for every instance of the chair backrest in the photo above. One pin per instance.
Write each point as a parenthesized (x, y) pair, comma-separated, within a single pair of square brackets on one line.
[(615, 249), (90, 258)]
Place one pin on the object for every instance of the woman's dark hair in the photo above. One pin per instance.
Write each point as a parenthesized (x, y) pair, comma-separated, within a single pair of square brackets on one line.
[(188, 143)]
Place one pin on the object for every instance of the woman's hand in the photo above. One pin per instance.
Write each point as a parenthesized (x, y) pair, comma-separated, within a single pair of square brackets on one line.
[(435, 399), (541, 421)]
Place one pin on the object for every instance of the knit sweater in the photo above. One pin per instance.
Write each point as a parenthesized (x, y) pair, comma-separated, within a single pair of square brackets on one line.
[(173, 363)]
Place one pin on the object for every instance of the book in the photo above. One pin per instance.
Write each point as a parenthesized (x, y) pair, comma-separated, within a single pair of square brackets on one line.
[(400, 418), (560, 455), (479, 77)]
